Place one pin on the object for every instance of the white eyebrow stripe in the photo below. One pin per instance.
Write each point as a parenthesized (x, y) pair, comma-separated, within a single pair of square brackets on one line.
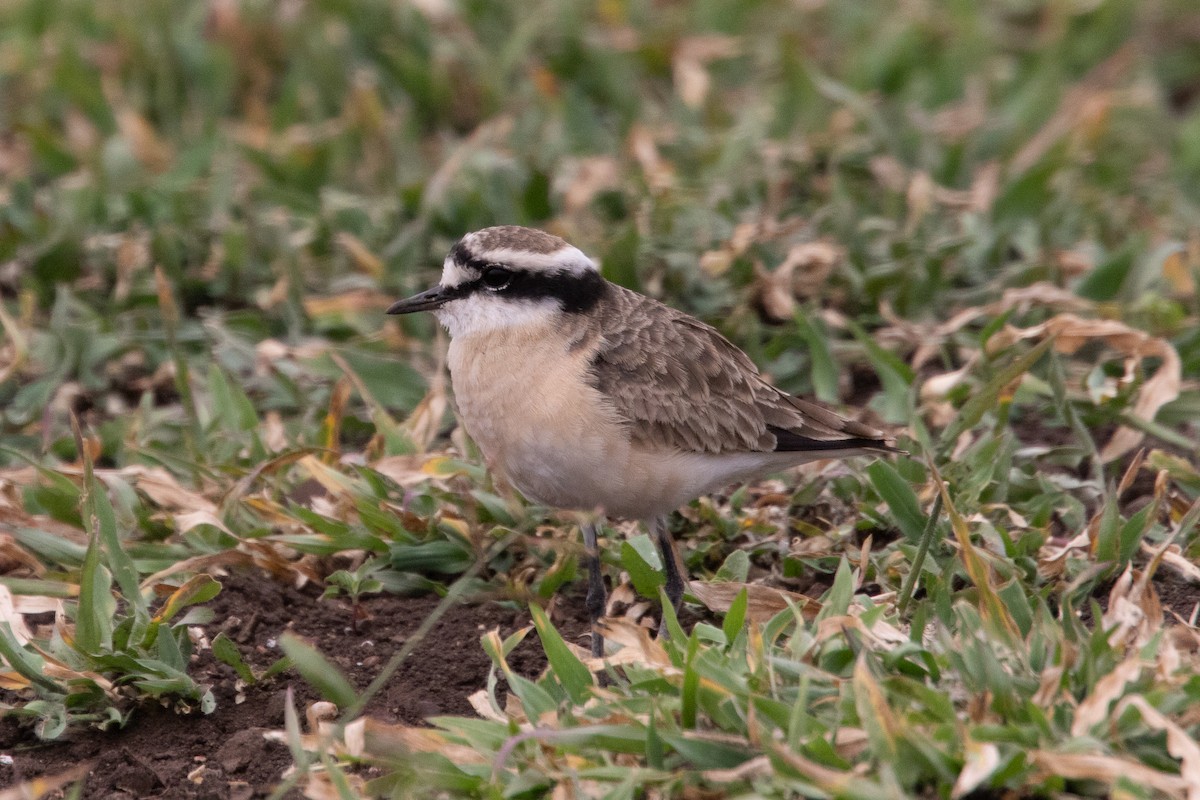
[(568, 259)]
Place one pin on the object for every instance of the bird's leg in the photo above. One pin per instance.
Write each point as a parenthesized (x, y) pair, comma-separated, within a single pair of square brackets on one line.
[(672, 566), (597, 595)]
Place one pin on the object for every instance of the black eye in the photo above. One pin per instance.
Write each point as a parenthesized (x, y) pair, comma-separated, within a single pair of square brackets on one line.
[(496, 278)]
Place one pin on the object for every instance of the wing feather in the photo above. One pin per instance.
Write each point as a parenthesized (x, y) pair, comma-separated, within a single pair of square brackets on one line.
[(682, 385)]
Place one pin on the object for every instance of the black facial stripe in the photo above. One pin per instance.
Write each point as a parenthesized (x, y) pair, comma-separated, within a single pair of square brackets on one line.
[(575, 292)]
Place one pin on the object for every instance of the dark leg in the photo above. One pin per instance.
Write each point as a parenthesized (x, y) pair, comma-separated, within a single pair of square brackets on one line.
[(671, 566), (597, 595)]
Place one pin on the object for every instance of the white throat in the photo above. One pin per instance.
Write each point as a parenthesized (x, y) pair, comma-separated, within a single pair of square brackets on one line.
[(482, 313)]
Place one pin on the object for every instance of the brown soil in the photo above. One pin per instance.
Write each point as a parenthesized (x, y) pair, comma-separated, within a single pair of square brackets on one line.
[(162, 754)]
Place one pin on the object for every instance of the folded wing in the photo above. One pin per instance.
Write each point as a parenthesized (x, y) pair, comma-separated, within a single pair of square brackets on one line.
[(682, 385)]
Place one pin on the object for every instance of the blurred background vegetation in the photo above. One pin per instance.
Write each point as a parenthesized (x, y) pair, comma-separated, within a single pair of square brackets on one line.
[(205, 208), (290, 166)]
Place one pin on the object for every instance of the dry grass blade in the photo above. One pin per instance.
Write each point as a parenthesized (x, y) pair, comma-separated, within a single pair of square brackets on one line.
[(1095, 88), (992, 607)]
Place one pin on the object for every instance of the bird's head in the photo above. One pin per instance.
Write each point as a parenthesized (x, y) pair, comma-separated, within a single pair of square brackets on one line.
[(508, 276)]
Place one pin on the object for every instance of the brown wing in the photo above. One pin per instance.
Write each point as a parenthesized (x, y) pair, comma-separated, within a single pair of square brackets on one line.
[(683, 385)]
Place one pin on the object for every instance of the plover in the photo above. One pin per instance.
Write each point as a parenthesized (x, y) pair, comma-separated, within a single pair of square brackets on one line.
[(589, 396)]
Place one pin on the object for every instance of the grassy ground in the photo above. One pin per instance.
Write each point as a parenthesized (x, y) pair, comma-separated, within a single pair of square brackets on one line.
[(976, 221)]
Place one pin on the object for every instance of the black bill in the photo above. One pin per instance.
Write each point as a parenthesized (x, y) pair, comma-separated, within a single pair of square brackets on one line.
[(427, 300)]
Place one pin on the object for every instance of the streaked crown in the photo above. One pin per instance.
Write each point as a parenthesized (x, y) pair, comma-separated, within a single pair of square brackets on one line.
[(515, 248)]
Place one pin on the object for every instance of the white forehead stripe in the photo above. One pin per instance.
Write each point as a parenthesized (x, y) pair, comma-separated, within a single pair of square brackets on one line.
[(452, 274)]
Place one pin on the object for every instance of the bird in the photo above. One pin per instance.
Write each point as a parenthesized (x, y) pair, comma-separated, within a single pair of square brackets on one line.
[(587, 395)]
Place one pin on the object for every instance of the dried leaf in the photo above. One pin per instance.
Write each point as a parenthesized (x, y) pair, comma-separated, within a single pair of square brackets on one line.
[(759, 767), (584, 178), (800, 275), (690, 71), (162, 488), (659, 174), (145, 143), (192, 519), (1134, 611), (1175, 559), (764, 602), (1072, 332), (636, 646), (1106, 769), (1179, 743), (980, 762), (8, 613), (425, 421), (1094, 708)]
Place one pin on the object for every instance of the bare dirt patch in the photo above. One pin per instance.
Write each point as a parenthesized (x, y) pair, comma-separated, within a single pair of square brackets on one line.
[(163, 755)]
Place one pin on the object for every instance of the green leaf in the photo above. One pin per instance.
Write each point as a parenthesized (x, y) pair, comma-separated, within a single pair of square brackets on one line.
[(234, 410), (52, 722), (94, 614), (440, 555), (197, 589), (168, 650), (41, 587), (225, 651), (824, 371), (1106, 534), (1134, 531), (1104, 282), (654, 744), (837, 600), (735, 617), (691, 684), (705, 754), (319, 671), (570, 671), (277, 666), (901, 499), (536, 700), (561, 572), (118, 559), (736, 568), (640, 559), (28, 665), (50, 547), (895, 375)]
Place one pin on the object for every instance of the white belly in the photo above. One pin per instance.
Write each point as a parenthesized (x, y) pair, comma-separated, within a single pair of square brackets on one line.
[(539, 423)]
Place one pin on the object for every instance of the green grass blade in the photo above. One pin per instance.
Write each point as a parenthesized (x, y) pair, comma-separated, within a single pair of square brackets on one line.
[(988, 396), (735, 617), (900, 498), (570, 671), (319, 671)]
